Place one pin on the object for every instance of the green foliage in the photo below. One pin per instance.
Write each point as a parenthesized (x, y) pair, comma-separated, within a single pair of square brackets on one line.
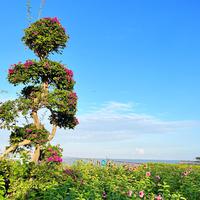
[(45, 36), (91, 181), (37, 72), (29, 132), (2, 187), (8, 114), (62, 105)]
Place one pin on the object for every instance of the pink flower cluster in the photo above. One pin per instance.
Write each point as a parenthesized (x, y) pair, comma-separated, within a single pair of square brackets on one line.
[(73, 95), (69, 74), (54, 159), (54, 156), (72, 98), (159, 197), (141, 194), (130, 193), (186, 173), (55, 19), (28, 130), (28, 63), (11, 71), (76, 121), (104, 195), (148, 174)]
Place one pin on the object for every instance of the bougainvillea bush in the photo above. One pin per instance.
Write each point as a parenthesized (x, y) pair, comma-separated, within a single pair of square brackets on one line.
[(91, 181), (48, 85)]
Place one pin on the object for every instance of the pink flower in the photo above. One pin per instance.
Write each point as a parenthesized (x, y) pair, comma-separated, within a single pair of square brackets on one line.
[(159, 197), (185, 173), (104, 195), (73, 95), (69, 72), (129, 193), (50, 159), (55, 153), (55, 19), (76, 121), (141, 194), (49, 149), (28, 130), (46, 65), (148, 174), (28, 63), (11, 71)]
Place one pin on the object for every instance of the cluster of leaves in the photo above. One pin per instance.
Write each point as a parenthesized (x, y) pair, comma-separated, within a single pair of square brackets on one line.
[(29, 132), (63, 106), (60, 100), (45, 36), (8, 113), (2, 187), (10, 110), (37, 72), (92, 181)]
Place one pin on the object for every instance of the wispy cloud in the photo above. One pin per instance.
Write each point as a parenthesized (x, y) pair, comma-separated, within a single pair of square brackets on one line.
[(115, 129), (139, 151), (118, 121)]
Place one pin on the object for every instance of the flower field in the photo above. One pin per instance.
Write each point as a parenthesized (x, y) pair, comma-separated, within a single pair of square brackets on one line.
[(92, 181)]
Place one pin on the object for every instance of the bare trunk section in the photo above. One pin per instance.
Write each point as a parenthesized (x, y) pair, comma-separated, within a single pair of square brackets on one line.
[(45, 92), (14, 147), (36, 119), (36, 154), (53, 132)]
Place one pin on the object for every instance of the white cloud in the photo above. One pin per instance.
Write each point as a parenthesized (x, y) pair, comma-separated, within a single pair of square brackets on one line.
[(116, 121), (139, 151), (116, 130)]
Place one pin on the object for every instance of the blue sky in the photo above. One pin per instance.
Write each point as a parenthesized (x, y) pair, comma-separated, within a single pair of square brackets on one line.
[(136, 64)]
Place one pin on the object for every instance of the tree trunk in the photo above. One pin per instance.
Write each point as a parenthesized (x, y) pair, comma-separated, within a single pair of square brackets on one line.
[(36, 154), (36, 119)]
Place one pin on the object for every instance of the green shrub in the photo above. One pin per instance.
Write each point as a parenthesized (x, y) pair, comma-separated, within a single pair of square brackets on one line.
[(2, 187), (91, 181)]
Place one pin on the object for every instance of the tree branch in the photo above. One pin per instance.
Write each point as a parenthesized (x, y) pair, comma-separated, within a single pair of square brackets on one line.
[(53, 132), (14, 147)]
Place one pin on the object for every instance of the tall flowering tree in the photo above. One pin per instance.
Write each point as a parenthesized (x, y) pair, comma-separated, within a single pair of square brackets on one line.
[(47, 85)]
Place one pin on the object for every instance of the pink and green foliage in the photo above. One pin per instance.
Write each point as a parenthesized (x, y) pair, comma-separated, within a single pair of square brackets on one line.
[(45, 36), (90, 181), (47, 85), (29, 132), (53, 154), (54, 73)]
